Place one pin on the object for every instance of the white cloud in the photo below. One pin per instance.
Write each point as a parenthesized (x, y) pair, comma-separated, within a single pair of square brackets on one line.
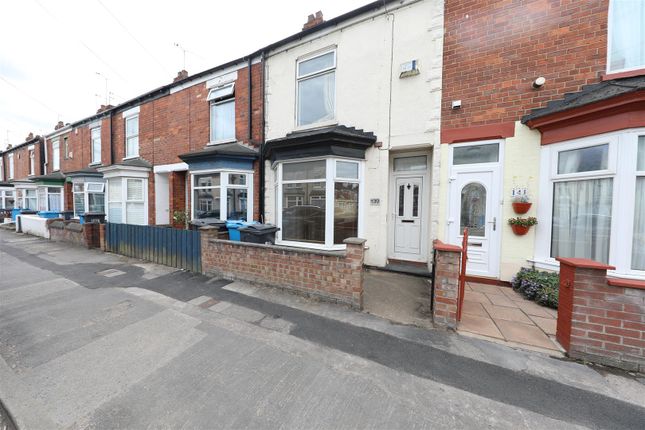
[(52, 49)]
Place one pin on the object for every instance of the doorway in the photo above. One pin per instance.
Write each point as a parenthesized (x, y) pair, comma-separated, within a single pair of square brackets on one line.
[(475, 203), (409, 208), (162, 199)]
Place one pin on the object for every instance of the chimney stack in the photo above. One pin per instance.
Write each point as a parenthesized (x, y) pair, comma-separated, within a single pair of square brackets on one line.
[(313, 20), (59, 125), (182, 74), (103, 108), (29, 137)]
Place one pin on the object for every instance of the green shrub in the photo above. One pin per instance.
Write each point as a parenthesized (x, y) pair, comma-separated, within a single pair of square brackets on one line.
[(541, 287)]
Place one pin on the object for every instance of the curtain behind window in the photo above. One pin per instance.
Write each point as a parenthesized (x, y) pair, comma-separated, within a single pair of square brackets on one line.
[(582, 219), (627, 34), (638, 245)]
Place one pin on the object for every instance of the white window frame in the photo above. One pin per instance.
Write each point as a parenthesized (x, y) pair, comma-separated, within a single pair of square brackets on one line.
[(621, 167), (11, 166), (86, 195), (66, 147), (32, 162), (132, 138), (23, 198), (609, 42), (124, 197), (46, 196), (55, 155), (4, 195), (329, 180), (1, 168), (223, 187), (227, 97), (96, 158), (331, 69)]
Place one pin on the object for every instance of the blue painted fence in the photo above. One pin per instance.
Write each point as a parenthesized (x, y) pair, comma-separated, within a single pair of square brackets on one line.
[(161, 245)]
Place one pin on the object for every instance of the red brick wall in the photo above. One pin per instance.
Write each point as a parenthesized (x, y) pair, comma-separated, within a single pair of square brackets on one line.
[(177, 183), (332, 276), (607, 322), (493, 50), (446, 284), (21, 161)]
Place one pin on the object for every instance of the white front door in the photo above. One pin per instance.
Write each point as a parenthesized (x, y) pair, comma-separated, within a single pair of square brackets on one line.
[(475, 203), (162, 199), (408, 218)]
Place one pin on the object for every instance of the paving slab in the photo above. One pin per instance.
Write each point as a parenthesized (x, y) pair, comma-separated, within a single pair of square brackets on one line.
[(479, 325), (507, 313), (548, 325), (474, 308), (524, 333), (500, 300)]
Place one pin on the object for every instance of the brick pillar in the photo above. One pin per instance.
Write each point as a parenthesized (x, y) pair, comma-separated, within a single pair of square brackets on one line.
[(68, 197), (207, 233), (600, 320), (355, 254), (446, 284), (102, 237)]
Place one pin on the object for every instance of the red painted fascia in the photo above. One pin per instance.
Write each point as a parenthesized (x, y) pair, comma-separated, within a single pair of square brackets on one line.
[(482, 132), (618, 113)]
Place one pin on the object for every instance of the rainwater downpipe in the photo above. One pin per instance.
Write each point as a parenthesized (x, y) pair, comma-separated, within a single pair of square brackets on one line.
[(262, 136)]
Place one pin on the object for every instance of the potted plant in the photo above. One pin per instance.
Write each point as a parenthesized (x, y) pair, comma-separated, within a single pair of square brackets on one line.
[(521, 204), (521, 226)]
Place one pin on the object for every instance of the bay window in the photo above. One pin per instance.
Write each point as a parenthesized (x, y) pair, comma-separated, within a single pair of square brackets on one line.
[(222, 195), (626, 33), (6, 199), (88, 197), (222, 100), (593, 204), (316, 89), (30, 199), (320, 201), (126, 200)]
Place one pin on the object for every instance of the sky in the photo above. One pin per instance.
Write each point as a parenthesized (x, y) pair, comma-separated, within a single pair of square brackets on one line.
[(57, 57)]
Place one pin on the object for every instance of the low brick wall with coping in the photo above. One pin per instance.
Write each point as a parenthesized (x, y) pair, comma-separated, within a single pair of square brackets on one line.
[(88, 235), (335, 276), (601, 319)]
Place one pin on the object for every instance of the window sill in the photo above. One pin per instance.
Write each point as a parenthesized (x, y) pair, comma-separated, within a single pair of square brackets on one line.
[(315, 246), (220, 142), (623, 74), (130, 157), (98, 163), (316, 125)]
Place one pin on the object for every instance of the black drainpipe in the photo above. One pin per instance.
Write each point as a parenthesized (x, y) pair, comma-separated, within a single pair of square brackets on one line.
[(42, 142), (111, 141), (262, 123), (250, 98)]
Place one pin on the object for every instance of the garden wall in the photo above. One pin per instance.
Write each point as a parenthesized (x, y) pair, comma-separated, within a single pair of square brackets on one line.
[(331, 276), (599, 319), (32, 224), (88, 235)]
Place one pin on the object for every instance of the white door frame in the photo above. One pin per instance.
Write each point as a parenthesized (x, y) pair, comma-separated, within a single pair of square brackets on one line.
[(425, 204), (162, 198), (454, 237)]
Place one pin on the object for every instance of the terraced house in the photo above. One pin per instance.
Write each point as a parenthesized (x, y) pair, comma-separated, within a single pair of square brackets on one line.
[(399, 122)]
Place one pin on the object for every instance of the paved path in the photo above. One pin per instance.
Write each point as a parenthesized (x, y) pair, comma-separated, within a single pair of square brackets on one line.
[(93, 340)]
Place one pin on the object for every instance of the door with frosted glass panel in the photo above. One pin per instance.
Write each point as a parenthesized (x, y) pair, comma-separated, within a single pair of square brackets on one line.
[(473, 207), (407, 227)]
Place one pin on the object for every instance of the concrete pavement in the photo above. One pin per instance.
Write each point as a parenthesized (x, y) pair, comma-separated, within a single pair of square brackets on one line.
[(152, 347)]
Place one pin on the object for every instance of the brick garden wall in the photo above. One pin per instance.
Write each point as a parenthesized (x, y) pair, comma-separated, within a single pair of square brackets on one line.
[(88, 235), (601, 320), (446, 284), (330, 276), (493, 50)]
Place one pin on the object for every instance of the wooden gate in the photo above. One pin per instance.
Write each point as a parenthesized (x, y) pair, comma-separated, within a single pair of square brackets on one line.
[(462, 274), (161, 245)]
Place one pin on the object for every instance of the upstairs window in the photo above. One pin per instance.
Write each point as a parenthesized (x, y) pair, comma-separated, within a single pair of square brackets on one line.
[(32, 162), (95, 136), (316, 87), (66, 147), (1, 169), (132, 136), (10, 166), (626, 35), (55, 155), (222, 100)]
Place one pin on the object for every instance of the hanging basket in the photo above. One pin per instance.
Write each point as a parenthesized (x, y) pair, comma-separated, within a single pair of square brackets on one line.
[(521, 208), (520, 230)]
